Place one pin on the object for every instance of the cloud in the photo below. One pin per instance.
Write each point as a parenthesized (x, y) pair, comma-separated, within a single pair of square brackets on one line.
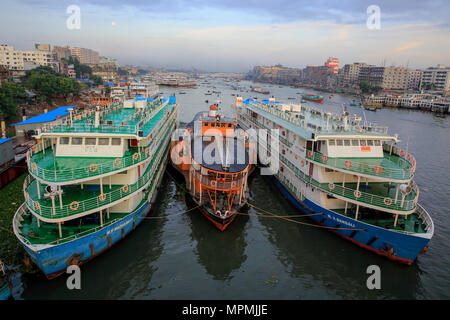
[(407, 46)]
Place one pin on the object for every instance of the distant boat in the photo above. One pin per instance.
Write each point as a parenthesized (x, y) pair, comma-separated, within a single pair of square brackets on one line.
[(312, 97)]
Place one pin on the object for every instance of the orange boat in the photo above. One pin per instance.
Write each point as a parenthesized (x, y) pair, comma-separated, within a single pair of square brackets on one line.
[(214, 156)]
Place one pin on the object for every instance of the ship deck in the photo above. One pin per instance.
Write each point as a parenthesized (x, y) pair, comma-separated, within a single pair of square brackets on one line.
[(48, 233), (61, 169), (87, 199), (392, 165), (369, 216), (116, 116)]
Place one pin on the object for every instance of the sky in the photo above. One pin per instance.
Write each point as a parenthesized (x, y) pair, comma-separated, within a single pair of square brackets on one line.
[(235, 35)]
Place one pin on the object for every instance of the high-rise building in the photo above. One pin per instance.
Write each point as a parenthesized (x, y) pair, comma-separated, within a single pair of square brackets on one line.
[(333, 63), (392, 78), (85, 56), (436, 77), (350, 73), (24, 59), (414, 78)]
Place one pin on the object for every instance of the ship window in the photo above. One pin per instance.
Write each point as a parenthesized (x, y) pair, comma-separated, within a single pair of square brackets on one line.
[(91, 141), (363, 143), (377, 142), (331, 142), (115, 141), (339, 142), (103, 141), (205, 124), (230, 125), (355, 143), (213, 124), (64, 140), (370, 142), (222, 125), (77, 141), (346, 143)]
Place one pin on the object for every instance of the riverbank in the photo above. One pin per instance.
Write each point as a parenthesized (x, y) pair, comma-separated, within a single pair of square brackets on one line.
[(11, 197)]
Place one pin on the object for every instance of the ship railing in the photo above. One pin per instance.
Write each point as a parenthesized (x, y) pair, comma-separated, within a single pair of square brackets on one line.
[(217, 183), (100, 168), (17, 219), (366, 127), (404, 158), (356, 195), (404, 171), (78, 207)]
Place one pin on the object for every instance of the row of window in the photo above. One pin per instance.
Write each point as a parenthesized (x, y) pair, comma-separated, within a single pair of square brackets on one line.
[(90, 141), (218, 124), (354, 142)]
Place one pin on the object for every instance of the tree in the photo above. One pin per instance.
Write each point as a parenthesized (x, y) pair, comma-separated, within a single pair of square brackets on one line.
[(97, 79), (365, 87), (81, 70), (10, 95), (48, 85)]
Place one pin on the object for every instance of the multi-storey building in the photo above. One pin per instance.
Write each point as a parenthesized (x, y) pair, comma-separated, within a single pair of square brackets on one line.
[(333, 63), (85, 56), (350, 73), (17, 59), (392, 78), (10, 58), (437, 76), (414, 77)]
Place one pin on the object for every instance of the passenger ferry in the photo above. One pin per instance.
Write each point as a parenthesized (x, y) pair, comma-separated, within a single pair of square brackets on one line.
[(347, 175), (213, 155), (92, 180)]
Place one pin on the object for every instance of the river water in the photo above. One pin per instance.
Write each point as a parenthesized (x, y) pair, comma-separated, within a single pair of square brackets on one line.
[(183, 256)]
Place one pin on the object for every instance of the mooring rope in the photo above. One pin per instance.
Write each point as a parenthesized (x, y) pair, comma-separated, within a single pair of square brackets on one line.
[(299, 222)]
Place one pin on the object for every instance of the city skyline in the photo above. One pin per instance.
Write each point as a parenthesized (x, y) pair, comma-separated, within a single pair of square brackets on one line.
[(234, 36)]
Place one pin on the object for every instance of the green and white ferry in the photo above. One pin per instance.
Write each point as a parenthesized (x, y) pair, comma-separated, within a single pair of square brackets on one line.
[(92, 180), (349, 176)]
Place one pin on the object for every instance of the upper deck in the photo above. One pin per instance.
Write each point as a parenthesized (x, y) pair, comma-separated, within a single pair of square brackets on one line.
[(338, 142), (130, 118), (94, 156), (310, 123)]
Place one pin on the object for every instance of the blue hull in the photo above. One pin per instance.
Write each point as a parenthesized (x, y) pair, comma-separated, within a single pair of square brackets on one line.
[(54, 260), (394, 245)]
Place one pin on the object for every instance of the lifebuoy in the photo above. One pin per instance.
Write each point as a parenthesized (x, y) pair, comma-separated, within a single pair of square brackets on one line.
[(402, 153), (302, 163), (147, 150), (36, 204), (24, 187), (34, 166), (233, 184), (27, 195), (135, 156), (310, 153), (324, 158), (348, 163), (93, 167), (117, 161), (409, 156), (125, 188), (387, 201), (357, 194), (74, 205), (102, 197), (331, 186), (378, 169), (213, 183)]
